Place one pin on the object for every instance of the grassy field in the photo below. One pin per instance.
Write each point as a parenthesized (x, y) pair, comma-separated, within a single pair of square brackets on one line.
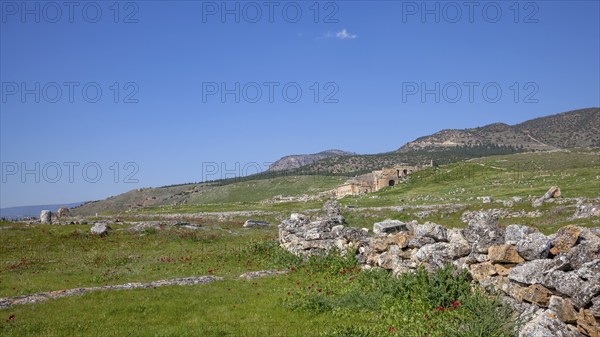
[(327, 296)]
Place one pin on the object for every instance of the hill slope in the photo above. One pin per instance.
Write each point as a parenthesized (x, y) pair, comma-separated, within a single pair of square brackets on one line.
[(297, 161), (578, 128)]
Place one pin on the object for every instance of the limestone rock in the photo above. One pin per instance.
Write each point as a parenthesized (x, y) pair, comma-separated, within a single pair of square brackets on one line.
[(419, 242), (584, 211), (46, 217), (389, 226), (595, 308), (100, 229), (536, 294), (583, 253), (566, 283), (63, 212), (504, 254), (333, 211), (565, 239), (563, 308), (483, 231), (516, 233), (546, 324), (553, 192), (587, 323), (534, 246), (588, 290), (530, 272), (431, 230), (504, 269), (481, 271)]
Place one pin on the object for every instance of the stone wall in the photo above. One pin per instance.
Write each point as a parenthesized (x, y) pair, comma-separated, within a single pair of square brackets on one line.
[(553, 282)]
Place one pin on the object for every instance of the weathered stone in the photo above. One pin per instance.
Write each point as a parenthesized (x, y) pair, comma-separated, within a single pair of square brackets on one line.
[(583, 253), (530, 272), (534, 246), (537, 294), (587, 323), (431, 230), (516, 233), (100, 228), (584, 211), (546, 324), (354, 234), (553, 192), (586, 291), (437, 254), (334, 212), (401, 239), (298, 217), (483, 231), (481, 271), (419, 242), (486, 199), (563, 308), (389, 226), (595, 308), (46, 217), (504, 254), (477, 258), (565, 239), (256, 223), (63, 212), (566, 283), (504, 269)]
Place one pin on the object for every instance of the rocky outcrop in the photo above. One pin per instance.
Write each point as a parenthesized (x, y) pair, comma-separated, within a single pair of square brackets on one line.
[(46, 217), (553, 282)]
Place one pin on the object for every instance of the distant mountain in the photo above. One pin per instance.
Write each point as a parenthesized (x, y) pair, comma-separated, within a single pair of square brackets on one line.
[(297, 161), (578, 128), (30, 211)]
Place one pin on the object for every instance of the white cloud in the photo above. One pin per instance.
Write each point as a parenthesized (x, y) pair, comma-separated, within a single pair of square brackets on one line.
[(342, 35)]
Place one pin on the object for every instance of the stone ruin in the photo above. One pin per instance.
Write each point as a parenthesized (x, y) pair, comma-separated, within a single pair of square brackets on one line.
[(552, 282)]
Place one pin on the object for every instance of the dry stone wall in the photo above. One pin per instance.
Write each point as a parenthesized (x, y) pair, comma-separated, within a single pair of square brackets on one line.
[(553, 282)]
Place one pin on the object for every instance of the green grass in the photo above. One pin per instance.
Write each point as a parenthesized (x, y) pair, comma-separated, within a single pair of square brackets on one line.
[(323, 296)]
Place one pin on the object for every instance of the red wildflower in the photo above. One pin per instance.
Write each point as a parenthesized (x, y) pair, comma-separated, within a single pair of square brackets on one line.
[(426, 316), (289, 293), (319, 290), (392, 329), (11, 318)]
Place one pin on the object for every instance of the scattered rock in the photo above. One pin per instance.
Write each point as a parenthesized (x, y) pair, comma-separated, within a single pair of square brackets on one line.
[(262, 273), (256, 223), (553, 192), (100, 229), (389, 226), (587, 324)]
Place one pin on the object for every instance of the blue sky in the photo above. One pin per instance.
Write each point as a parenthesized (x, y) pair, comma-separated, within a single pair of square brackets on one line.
[(370, 62)]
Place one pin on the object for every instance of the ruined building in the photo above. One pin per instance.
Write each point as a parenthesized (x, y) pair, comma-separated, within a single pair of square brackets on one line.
[(376, 180)]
